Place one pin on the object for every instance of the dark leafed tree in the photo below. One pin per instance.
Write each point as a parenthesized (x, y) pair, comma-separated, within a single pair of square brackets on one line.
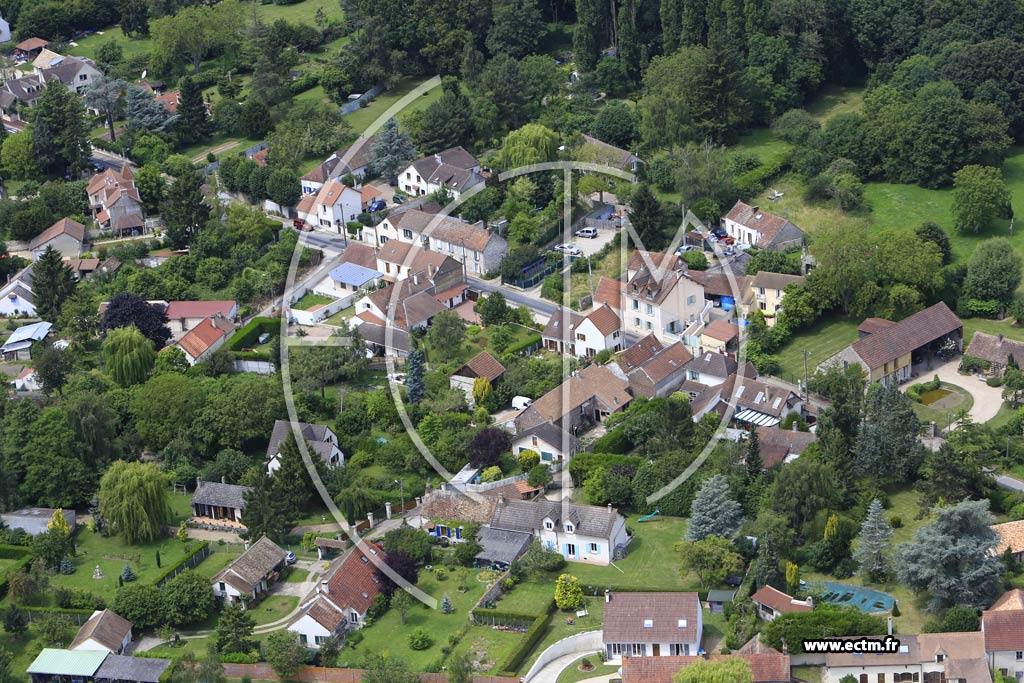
[(193, 119), (184, 209), (447, 122), (487, 446), (104, 95), (414, 376), (402, 565), (391, 151), (517, 28), (52, 282), (266, 513), (129, 309), (645, 216), (134, 17), (59, 132), (587, 38), (291, 481), (53, 366)]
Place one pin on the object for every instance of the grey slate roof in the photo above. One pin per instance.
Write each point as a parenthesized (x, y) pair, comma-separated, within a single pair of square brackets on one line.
[(224, 495), (312, 433), (550, 433), (499, 545), (251, 566), (376, 334), (138, 669), (528, 516), (712, 363)]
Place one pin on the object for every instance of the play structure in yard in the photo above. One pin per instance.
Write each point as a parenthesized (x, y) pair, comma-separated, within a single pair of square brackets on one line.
[(648, 517)]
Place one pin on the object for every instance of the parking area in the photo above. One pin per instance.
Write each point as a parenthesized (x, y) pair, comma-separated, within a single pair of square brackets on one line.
[(591, 245)]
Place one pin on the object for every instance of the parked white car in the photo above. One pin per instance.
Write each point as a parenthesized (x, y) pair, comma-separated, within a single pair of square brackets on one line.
[(570, 249), (586, 232)]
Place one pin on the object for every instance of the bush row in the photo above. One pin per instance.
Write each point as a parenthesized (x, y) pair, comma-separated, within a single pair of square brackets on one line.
[(17, 567), (249, 334), (172, 569), (750, 183), (525, 647), (915, 390), (14, 552)]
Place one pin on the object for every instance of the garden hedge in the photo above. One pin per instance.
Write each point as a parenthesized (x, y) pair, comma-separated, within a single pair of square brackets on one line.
[(172, 569), (534, 634), (248, 335)]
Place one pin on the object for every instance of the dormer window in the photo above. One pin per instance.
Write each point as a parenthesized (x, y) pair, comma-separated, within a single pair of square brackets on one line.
[(681, 623), (648, 623), (568, 528), (940, 657), (548, 524)]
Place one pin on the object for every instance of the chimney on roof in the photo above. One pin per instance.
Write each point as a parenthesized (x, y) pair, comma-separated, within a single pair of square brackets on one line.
[(198, 481), (416, 279), (1000, 337), (607, 595), (610, 508), (890, 625), (223, 479), (795, 426), (437, 158), (754, 208)]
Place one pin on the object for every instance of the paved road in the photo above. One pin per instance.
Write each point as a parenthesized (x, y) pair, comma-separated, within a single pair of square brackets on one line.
[(514, 296), (987, 400), (1005, 481)]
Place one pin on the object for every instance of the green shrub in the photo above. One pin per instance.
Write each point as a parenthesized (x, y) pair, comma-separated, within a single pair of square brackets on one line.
[(895, 521), (420, 640), (969, 364), (994, 381)]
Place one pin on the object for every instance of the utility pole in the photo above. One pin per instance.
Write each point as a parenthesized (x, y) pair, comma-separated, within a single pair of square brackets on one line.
[(807, 391), (401, 483)]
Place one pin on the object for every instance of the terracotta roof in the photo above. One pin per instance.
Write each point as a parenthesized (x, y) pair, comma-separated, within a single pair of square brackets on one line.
[(872, 325), (31, 44), (203, 336), (106, 628), (483, 365), (170, 100), (550, 433), (249, 568), (765, 667), (910, 333), (322, 612), (659, 258), (594, 381), (65, 226), (1010, 600), (305, 204), (995, 349), (178, 310), (779, 601), (714, 364), (753, 217), (721, 330), (777, 443), (639, 353), (451, 292), (353, 581), (331, 193), (1003, 629), (368, 193), (609, 291), (604, 319), (260, 157), (656, 285), (774, 280), (666, 363), (411, 310), (361, 255), (673, 618), (1011, 535), (394, 251)]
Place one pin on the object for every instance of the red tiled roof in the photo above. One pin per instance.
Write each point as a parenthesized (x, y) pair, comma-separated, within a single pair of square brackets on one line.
[(368, 192), (604, 320), (755, 218), (1010, 600), (31, 44), (667, 362), (777, 443), (200, 338), (672, 617), (321, 611), (639, 353), (483, 365), (609, 291), (305, 204), (910, 333), (65, 226), (721, 330), (872, 325), (765, 667), (1004, 630), (177, 310), (778, 601), (355, 581), (169, 100)]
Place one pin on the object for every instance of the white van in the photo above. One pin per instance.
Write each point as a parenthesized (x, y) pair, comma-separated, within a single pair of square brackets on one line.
[(521, 402), (587, 232)]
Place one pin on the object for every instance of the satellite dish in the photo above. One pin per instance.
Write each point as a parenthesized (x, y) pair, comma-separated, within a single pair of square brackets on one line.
[(143, 76)]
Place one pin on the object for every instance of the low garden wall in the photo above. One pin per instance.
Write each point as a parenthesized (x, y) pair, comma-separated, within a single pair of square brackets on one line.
[(579, 643)]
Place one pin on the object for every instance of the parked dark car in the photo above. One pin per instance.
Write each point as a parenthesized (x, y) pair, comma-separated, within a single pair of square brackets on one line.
[(398, 199), (377, 205)]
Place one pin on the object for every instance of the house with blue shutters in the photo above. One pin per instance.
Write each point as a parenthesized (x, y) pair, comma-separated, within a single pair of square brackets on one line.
[(579, 533)]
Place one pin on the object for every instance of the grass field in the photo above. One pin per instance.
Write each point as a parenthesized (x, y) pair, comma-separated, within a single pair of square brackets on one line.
[(273, 608), (309, 300), (823, 339), (132, 47), (471, 348), (361, 119)]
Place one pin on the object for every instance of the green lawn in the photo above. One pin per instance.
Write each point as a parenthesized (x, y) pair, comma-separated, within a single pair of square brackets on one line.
[(573, 674), (389, 634), (471, 347), (361, 119), (296, 575), (826, 337), (300, 12), (341, 316), (650, 565), (273, 608), (993, 327), (309, 300), (317, 94), (811, 674), (132, 47), (834, 99), (209, 567)]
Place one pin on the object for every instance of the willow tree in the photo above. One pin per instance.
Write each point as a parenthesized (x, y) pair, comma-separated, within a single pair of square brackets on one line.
[(133, 500), (128, 356)]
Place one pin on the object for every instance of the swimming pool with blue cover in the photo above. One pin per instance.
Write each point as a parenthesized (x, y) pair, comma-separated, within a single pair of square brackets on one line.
[(867, 600)]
